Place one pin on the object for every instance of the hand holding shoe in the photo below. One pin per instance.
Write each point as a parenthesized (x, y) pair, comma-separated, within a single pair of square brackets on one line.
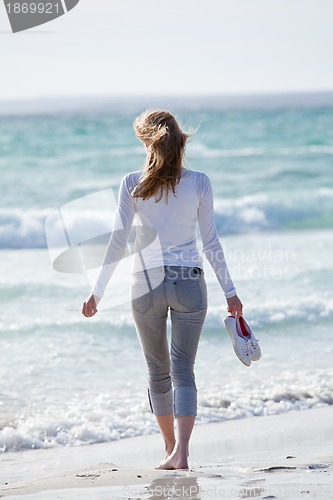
[(235, 307)]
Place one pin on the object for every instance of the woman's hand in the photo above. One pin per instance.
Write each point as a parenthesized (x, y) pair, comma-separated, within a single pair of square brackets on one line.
[(89, 307), (235, 307)]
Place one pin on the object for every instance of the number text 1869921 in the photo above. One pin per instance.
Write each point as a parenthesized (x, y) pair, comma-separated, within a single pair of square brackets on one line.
[(32, 8)]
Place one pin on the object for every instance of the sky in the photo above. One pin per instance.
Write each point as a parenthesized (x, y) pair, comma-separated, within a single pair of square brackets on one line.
[(111, 47)]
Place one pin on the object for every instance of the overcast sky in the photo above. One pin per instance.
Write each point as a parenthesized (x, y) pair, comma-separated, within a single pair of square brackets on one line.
[(105, 47)]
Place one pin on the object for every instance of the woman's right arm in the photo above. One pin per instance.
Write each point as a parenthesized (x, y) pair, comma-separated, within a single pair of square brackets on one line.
[(115, 249)]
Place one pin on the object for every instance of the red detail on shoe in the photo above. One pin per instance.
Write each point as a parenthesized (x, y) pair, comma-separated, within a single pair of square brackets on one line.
[(243, 327)]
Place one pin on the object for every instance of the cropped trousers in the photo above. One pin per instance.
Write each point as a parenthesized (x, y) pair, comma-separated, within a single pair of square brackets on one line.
[(182, 293)]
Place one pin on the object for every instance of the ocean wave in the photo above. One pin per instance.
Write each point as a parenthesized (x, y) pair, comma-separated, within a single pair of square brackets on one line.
[(22, 229), (279, 312), (288, 392), (261, 211), (26, 229), (258, 212), (98, 420)]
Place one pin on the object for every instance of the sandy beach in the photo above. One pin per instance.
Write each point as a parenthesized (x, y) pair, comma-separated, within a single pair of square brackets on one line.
[(279, 456)]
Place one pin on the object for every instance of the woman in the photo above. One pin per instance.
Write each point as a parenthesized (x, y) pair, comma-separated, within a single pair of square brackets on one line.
[(167, 200)]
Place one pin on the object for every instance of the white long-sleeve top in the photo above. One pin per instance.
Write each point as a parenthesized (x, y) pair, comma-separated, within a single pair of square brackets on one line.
[(166, 230)]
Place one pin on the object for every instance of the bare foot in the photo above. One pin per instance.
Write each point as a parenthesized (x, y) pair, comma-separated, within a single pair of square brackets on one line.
[(174, 461)]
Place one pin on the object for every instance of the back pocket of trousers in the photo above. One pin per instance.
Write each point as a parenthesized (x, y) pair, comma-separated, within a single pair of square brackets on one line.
[(190, 293)]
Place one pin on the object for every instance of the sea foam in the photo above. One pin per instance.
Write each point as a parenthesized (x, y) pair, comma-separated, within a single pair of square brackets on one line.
[(97, 420)]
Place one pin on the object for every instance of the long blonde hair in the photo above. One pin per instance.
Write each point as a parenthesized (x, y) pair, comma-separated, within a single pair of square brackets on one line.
[(165, 142)]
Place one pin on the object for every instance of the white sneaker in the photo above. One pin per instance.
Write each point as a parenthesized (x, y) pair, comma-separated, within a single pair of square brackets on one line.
[(246, 332), (240, 343)]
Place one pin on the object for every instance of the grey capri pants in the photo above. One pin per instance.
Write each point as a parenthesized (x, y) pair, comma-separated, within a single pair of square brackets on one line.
[(183, 291)]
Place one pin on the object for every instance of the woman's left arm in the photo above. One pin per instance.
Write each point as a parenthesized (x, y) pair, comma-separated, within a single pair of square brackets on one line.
[(212, 247)]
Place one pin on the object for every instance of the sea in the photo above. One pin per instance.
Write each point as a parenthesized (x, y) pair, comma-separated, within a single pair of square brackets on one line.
[(66, 380)]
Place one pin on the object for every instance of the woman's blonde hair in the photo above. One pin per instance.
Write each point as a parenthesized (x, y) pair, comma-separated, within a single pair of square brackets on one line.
[(165, 142)]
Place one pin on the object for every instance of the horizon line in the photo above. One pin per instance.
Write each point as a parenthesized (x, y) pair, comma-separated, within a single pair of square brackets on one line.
[(87, 103), (170, 95)]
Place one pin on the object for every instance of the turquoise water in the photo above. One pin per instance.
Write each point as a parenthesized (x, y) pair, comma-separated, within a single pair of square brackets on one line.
[(270, 169), (66, 380)]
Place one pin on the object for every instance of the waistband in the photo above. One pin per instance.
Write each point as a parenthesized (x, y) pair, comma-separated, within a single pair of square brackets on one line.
[(182, 271), (156, 275), (172, 272)]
